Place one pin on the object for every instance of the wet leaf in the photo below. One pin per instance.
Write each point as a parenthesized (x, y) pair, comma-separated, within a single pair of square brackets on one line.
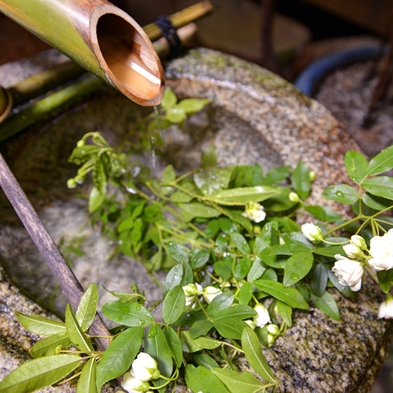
[(341, 193), (245, 293), (199, 259), (382, 162), (195, 345), (286, 312), (319, 279), (87, 307), (174, 305), (242, 267), (204, 360), (301, 180), (244, 195), (200, 328), (256, 270), (47, 346), (381, 186), (356, 165), (240, 243), (276, 175), (128, 314), (178, 252), (200, 379), (75, 333), (174, 345), (119, 355), (297, 267), (197, 209), (237, 382), (327, 304)]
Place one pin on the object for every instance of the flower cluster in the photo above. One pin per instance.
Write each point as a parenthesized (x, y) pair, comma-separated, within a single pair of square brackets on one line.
[(144, 368), (254, 212), (193, 290)]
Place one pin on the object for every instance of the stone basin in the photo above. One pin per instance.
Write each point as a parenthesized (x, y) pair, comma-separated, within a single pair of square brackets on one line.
[(254, 116)]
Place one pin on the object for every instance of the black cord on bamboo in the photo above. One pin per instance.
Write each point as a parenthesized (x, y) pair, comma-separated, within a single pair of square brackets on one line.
[(170, 34)]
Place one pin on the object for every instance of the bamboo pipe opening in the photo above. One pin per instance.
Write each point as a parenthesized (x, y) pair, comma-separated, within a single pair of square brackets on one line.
[(128, 57)]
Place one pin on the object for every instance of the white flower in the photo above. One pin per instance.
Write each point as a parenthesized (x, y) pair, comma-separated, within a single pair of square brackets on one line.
[(145, 368), (312, 232), (192, 290), (134, 385), (381, 251), (262, 317), (210, 293), (348, 272), (359, 242), (353, 251), (254, 212), (386, 309)]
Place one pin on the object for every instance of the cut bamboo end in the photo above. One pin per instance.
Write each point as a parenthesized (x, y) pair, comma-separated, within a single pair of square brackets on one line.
[(5, 103), (126, 55)]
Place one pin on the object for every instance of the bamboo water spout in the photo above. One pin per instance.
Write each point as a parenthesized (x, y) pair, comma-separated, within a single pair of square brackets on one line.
[(100, 37)]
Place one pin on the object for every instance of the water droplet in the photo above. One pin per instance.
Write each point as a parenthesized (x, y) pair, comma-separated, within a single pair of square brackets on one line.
[(339, 193), (138, 307), (152, 333), (141, 322)]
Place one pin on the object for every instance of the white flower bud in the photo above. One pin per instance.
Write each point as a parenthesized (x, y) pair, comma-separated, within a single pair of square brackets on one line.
[(381, 251), (359, 242), (353, 251), (293, 197), (262, 317), (210, 293), (192, 290), (273, 329), (386, 309), (254, 212), (145, 368), (348, 272), (312, 175), (270, 339), (312, 232), (134, 385), (251, 323)]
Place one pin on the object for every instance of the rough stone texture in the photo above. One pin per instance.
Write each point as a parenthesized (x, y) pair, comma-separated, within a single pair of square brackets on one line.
[(254, 116)]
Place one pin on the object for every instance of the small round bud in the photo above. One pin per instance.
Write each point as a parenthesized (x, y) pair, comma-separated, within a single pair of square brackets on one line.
[(312, 232), (312, 175), (256, 230), (293, 197), (80, 143), (71, 183), (270, 339), (358, 241), (273, 329)]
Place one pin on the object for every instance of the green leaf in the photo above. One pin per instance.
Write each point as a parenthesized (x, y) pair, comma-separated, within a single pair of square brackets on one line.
[(95, 199), (356, 164), (297, 267), (200, 379), (39, 373), (280, 202), (129, 314), (237, 382), (199, 259), (323, 213), (174, 305), (327, 304), (244, 195), (174, 345), (382, 162), (87, 307), (220, 302), (173, 278), (242, 267), (290, 296), (240, 243), (238, 218), (375, 202), (180, 197), (156, 346), (276, 175), (209, 157), (175, 115), (119, 355), (319, 279), (253, 350), (301, 180), (192, 105), (213, 180), (197, 209), (47, 346), (168, 175), (286, 312), (75, 333), (200, 328), (381, 186), (169, 98), (385, 279), (198, 344), (87, 379), (245, 293), (99, 175), (178, 252), (40, 325), (341, 193), (329, 251), (256, 270), (202, 359)]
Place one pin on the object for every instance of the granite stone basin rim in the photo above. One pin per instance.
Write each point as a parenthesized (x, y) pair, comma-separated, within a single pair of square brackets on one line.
[(254, 116), (101, 38)]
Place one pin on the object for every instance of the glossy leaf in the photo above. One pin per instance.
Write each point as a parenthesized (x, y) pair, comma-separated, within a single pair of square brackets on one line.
[(156, 346), (175, 115), (180, 197), (341, 193), (200, 328), (197, 209), (323, 213), (174, 345), (96, 198), (192, 105), (327, 304), (202, 359), (356, 165), (238, 218), (169, 98), (40, 325), (286, 312), (245, 294), (200, 379), (174, 305), (213, 180), (87, 307), (237, 382), (199, 259), (301, 180), (173, 278), (119, 355), (290, 296), (375, 202), (276, 175), (198, 344), (87, 379), (241, 196), (242, 268), (178, 252), (319, 279), (75, 333), (297, 267), (39, 373), (382, 162), (240, 243), (381, 186), (47, 346), (329, 251), (220, 302), (256, 270), (128, 314), (253, 350), (385, 279)]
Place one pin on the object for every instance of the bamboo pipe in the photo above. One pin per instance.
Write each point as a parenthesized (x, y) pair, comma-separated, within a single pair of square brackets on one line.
[(100, 37)]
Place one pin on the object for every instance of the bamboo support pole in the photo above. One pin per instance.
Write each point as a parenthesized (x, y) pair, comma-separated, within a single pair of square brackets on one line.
[(100, 37), (47, 247)]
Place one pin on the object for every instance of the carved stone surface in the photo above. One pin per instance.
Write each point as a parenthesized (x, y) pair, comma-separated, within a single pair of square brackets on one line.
[(254, 116)]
